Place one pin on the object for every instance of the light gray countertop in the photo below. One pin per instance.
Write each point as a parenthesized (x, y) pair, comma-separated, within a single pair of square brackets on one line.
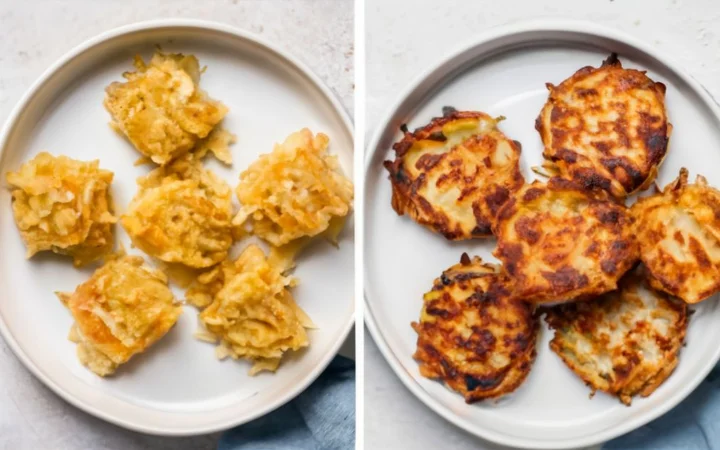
[(33, 35), (405, 37)]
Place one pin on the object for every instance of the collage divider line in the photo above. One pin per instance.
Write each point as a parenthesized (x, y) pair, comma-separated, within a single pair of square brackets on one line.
[(359, 180)]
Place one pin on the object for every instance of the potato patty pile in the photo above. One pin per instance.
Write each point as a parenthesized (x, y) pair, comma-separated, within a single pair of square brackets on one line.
[(614, 281), (559, 242), (454, 174), (473, 335), (624, 343), (182, 216), (679, 234), (606, 128)]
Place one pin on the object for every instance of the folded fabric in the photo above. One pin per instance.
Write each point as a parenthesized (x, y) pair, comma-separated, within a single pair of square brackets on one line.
[(692, 425), (321, 418)]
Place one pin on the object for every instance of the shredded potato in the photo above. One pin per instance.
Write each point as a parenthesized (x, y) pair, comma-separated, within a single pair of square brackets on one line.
[(249, 311), (294, 191), (218, 143), (454, 174), (120, 311), (161, 109), (63, 205), (678, 231), (182, 214)]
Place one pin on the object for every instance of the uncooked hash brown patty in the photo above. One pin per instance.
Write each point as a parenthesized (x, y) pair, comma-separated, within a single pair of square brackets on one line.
[(606, 128), (679, 234), (624, 343), (559, 242), (473, 335), (453, 174)]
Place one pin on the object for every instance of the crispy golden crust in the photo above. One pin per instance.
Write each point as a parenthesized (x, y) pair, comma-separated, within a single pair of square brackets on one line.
[(63, 205), (161, 109), (454, 174), (473, 335), (624, 343), (679, 235), (606, 128), (120, 311), (182, 214), (559, 242)]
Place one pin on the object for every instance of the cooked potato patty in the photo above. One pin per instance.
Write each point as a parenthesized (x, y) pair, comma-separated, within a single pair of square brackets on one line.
[(559, 242), (473, 335), (679, 235), (453, 174), (624, 343), (606, 127)]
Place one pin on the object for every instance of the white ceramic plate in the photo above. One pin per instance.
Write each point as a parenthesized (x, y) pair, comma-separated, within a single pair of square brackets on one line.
[(504, 73), (178, 387)]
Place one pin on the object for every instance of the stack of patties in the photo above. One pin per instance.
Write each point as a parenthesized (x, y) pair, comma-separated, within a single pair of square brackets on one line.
[(611, 279)]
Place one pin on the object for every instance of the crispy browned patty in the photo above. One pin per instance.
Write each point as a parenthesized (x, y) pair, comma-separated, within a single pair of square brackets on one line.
[(679, 234), (606, 128), (473, 335), (624, 343), (453, 174), (559, 242)]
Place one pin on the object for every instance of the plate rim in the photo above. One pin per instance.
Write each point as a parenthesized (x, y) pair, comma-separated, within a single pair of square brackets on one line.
[(589, 29), (9, 125)]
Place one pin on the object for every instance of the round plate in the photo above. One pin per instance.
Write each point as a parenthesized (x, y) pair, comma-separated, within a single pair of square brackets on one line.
[(177, 387), (504, 73)]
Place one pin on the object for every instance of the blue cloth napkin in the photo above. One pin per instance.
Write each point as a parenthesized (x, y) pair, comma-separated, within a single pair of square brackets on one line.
[(321, 418), (692, 425)]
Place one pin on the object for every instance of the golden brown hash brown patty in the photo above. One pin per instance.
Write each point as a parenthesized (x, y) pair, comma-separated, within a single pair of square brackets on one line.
[(606, 127), (679, 235), (559, 242), (453, 174), (624, 343), (473, 335)]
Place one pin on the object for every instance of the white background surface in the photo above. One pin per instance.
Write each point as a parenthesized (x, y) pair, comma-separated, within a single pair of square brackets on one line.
[(406, 37), (36, 33)]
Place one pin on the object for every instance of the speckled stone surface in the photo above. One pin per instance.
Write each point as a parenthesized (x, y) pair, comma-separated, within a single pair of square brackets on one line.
[(35, 33), (406, 37)]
